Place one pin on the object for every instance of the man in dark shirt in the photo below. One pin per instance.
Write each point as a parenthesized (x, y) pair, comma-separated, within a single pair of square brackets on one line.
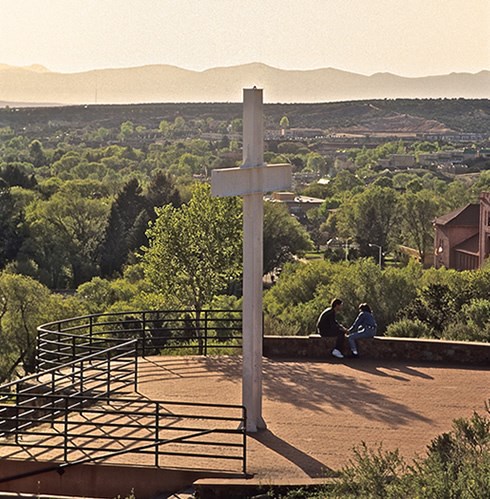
[(327, 325)]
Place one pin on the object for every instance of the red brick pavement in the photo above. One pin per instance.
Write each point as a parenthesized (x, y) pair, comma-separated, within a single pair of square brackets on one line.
[(317, 411)]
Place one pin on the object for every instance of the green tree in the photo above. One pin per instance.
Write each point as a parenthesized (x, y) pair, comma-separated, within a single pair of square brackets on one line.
[(344, 181), (315, 163), (36, 153), (125, 210), (284, 237), (11, 226), (284, 122), (126, 130), (68, 230), (370, 218), (457, 465), (194, 251), (417, 214), (24, 305), (179, 127), (17, 174), (161, 191), (237, 125)]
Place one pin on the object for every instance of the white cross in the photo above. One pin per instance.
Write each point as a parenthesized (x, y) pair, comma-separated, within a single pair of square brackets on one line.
[(252, 180)]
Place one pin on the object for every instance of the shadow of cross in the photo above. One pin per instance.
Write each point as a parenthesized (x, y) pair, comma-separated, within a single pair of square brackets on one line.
[(251, 180), (311, 466)]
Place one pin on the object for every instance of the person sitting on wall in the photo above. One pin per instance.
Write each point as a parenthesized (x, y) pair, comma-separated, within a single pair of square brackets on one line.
[(363, 327), (327, 326)]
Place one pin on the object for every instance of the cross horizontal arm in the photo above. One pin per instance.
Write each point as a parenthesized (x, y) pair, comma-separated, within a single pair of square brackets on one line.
[(250, 180)]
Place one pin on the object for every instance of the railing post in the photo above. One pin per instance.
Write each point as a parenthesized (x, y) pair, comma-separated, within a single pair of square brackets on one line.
[(136, 367), (244, 433), (157, 433), (17, 414), (108, 375), (143, 333), (82, 387), (143, 341), (38, 349), (205, 333), (73, 356), (58, 342), (53, 409), (65, 440), (90, 333)]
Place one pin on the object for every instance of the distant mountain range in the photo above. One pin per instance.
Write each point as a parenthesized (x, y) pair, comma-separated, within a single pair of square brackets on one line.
[(36, 85)]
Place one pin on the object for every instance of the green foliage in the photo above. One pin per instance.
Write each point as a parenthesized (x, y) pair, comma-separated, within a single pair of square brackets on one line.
[(194, 251), (284, 237), (125, 210), (457, 462), (11, 221), (18, 174), (417, 213), (477, 313), (457, 465), (371, 473), (303, 290), (67, 231), (452, 305), (24, 305), (126, 130), (370, 217), (409, 328), (67, 214), (434, 306), (315, 163), (369, 157), (284, 122)]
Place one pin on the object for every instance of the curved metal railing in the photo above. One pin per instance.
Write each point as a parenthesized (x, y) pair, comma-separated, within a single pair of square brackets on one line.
[(87, 370), (156, 331)]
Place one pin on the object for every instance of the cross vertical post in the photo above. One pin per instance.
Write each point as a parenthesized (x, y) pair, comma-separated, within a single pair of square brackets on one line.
[(252, 180), (253, 212)]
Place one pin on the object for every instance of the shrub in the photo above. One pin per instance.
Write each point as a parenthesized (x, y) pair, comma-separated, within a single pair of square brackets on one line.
[(463, 331), (457, 465), (370, 474), (277, 327), (409, 328)]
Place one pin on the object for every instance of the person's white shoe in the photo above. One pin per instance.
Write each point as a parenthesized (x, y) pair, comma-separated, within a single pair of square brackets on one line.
[(337, 353)]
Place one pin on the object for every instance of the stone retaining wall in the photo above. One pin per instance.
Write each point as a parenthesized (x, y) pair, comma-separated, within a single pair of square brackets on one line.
[(382, 347)]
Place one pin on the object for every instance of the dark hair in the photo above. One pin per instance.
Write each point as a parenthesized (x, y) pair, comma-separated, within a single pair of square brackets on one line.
[(364, 307), (336, 302)]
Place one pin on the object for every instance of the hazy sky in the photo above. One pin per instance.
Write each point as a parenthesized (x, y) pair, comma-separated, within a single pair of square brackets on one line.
[(405, 37)]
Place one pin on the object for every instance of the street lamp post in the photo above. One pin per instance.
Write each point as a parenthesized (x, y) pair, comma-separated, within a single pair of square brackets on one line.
[(380, 252)]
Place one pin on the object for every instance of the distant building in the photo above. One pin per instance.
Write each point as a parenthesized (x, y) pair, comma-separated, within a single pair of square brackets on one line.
[(305, 178), (398, 162), (454, 156), (296, 205), (294, 133), (462, 239)]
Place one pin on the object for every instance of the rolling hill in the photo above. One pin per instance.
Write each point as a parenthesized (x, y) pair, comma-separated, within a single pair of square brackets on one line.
[(36, 85)]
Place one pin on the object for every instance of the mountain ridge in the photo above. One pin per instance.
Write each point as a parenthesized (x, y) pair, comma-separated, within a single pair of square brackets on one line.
[(166, 83)]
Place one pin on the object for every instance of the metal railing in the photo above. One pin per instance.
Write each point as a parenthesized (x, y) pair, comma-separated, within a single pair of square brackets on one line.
[(81, 431), (33, 399), (83, 363), (156, 331)]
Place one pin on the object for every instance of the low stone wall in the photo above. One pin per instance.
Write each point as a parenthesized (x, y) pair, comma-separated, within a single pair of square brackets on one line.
[(382, 347)]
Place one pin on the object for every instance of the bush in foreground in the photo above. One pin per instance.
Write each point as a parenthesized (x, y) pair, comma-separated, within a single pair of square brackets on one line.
[(457, 465)]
